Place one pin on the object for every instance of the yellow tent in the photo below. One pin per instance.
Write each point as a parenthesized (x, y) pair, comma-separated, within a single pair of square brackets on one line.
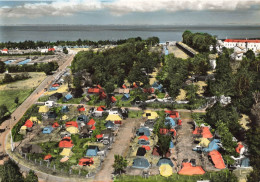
[(66, 152), (150, 114), (23, 127), (65, 117), (23, 130), (165, 170), (204, 142), (43, 109), (35, 120), (113, 117), (72, 130)]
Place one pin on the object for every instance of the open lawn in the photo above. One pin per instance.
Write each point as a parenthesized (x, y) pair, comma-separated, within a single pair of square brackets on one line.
[(21, 89)]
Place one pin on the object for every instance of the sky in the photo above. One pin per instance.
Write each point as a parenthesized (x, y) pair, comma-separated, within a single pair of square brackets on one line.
[(130, 12)]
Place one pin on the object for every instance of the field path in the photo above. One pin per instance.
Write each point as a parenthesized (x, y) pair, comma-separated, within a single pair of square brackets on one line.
[(121, 144)]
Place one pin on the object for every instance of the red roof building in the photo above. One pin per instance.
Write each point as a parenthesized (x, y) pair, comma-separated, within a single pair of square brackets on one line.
[(28, 123), (71, 123), (6, 50), (51, 49), (66, 142), (242, 41), (217, 159)]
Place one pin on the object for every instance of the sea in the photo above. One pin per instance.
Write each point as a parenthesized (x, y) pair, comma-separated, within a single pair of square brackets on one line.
[(116, 32)]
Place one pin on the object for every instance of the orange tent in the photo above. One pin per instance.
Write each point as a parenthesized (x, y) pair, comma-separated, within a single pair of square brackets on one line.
[(86, 161), (100, 108), (146, 147), (28, 123), (143, 138), (204, 131), (66, 142), (217, 159), (99, 136), (239, 147), (81, 109), (123, 86), (188, 169), (91, 122), (47, 157), (55, 125), (71, 123), (113, 99)]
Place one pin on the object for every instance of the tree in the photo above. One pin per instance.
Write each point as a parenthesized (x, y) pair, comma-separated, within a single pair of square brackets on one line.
[(31, 177), (250, 55), (7, 78), (3, 112), (16, 100), (164, 143), (67, 79), (2, 67), (47, 69), (10, 172), (109, 87), (65, 50), (119, 164)]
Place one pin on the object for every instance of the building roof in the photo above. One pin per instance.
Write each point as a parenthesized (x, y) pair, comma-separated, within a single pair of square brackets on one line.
[(188, 169), (242, 40), (217, 159)]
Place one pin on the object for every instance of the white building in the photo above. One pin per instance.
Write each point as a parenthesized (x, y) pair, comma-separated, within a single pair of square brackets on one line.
[(253, 45)]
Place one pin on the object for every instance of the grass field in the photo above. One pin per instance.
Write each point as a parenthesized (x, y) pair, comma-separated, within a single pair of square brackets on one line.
[(21, 89)]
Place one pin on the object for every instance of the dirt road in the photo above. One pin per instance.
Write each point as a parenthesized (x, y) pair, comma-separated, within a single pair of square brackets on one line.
[(121, 144)]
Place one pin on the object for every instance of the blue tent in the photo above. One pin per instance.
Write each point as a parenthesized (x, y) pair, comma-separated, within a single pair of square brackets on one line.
[(245, 162), (143, 131), (143, 142), (109, 124), (126, 97), (170, 121), (47, 130), (68, 97), (82, 119), (65, 109), (171, 145), (164, 161), (53, 88), (157, 86), (140, 163), (212, 146), (92, 151)]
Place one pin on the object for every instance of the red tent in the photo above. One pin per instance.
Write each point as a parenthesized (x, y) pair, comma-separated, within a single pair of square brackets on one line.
[(51, 49), (164, 131), (55, 125), (99, 136), (101, 108), (81, 109), (135, 85), (118, 122), (47, 157), (113, 99), (93, 127), (66, 142), (148, 90), (91, 122), (204, 131), (94, 91), (98, 86), (103, 95), (217, 159), (239, 147), (188, 169), (55, 85), (179, 122), (123, 86), (173, 131), (86, 161), (28, 123), (146, 147), (143, 138), (71, 123)]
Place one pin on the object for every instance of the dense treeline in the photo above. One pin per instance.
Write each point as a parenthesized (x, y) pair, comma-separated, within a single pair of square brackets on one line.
[(199, 41), (42, 67), (131, 61), (9, 78), (28, 44)]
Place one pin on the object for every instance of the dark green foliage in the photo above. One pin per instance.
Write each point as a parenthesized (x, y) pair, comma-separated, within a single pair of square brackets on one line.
[(3, 113), (199, 41), (10, 172), (109, 87), (8, 78), (16, 100), (2, 67), (31, 177), (164, 143), (174, 73), (195, 101), (46, 67), (119, 164), (250, 54), (199, 65), (65, 50)]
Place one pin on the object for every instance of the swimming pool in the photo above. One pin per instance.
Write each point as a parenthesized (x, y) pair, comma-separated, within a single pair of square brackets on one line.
[(9, 61), (25, 61)]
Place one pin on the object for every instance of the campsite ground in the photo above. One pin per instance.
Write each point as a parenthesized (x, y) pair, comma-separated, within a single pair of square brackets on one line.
[(21, 89), (177, 52)]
